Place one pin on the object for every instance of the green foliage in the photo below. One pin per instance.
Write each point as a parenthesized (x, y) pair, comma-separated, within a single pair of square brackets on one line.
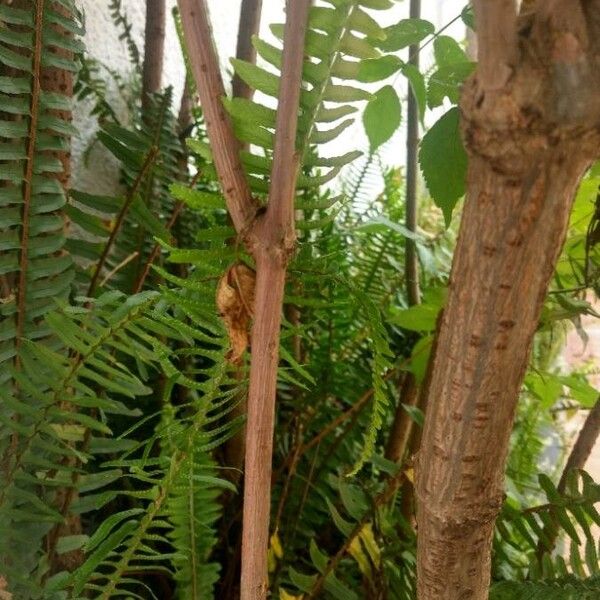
[(115, 414), (567, 588), (444, 163), (382, 117), (34, 268)]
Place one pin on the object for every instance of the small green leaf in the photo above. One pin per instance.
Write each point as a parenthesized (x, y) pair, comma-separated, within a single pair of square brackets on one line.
[(467, 16), (446, 82), (448, 51), (422, 317), (443, 162), (382, 116), (406, 33), (376, 69)]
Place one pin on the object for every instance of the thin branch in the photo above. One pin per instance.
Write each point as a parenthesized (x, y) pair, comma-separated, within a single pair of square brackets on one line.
[(583, 445), (496, 41), (120, 218), (282, 190), (249, 26), (403, 423), (225, 147), (154, 46), (581, 451), (156, 250), (411, 260)]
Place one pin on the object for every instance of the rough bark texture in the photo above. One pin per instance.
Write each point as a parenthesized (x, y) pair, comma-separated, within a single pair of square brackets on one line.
[(154, 47), (531, 117), (55, 80), (249, 25)]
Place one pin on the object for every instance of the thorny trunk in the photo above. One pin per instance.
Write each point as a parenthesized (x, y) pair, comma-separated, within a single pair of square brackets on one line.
[(531, 117)]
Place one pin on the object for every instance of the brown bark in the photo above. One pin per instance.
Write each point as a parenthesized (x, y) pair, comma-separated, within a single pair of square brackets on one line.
[(272, 244), (249, 26), (225, 148), (154, 48), (269, 235), (531, 117)]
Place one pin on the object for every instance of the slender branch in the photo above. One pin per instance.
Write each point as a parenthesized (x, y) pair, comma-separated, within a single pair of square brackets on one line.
[(249, 26), (411, 261), (497, 44), (21, 292), (154, 46), (120, 218), (156, 250), (225, 147), (280, 212), (403, 423)]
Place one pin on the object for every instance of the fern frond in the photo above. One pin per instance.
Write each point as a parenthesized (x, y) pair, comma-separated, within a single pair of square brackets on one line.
[(34, 267)]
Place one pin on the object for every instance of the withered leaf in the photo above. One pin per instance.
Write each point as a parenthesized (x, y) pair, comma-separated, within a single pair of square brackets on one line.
[(235, 302)]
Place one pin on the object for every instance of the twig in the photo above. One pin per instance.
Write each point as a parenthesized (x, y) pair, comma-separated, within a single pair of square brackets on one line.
[(122, 264), (130, 197), (21, 293)]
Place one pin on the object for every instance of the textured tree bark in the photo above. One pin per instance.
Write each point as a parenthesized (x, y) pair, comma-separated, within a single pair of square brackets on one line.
[(55, 80), (531, 117), (154, 49)]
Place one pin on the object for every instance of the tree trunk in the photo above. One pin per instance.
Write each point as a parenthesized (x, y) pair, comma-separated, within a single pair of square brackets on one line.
[(531, 117), (154, 48)]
